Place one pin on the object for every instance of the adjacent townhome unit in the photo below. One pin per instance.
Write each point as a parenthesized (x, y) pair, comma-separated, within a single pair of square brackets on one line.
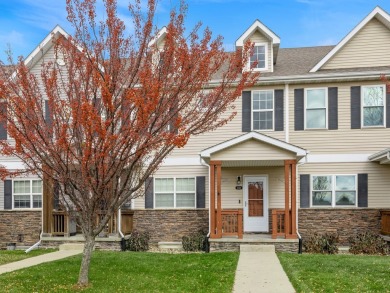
[(308, 151)]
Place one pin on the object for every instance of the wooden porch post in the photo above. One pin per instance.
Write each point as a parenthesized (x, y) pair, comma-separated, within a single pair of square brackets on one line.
[(294, 199), (212, 200), (286, 198), (47, 205), (219, 200)]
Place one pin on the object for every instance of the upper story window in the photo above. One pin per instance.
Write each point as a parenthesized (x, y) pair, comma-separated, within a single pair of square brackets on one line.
[(373, 105), (316, 108), (27, 194), (333, 190), (258, 59), (175, 192), (263, 110)]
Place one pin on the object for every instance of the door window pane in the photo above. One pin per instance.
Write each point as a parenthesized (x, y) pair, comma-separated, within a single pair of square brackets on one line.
[(255, 199)]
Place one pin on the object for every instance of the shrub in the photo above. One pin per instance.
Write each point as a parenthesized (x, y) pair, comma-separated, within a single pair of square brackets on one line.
[(321, 243), (195, 241), (368, 243), (138, 241)]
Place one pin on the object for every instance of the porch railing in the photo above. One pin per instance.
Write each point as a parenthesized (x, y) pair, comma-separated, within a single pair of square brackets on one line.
[(385, 222), (232, 223), (278, 222), (59, 224)]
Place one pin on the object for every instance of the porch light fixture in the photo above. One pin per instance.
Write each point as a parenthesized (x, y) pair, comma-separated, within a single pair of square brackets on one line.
[(238, 180)]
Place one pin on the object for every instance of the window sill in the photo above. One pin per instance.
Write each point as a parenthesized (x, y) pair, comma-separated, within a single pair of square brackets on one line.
[(373, 127), (24, 210)]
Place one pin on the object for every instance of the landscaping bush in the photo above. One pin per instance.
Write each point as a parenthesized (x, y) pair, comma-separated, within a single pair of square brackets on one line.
[(195, 241), (321, 243), (368, 243), (138, 241)]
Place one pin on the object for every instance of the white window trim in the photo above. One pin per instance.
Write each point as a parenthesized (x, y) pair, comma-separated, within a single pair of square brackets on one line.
[(266, 53), (362, 106), (333, 205), (273, 110), (174, 192), (326, 107), (31, 194)]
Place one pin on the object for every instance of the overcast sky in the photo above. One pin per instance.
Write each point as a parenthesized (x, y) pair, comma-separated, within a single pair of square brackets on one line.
[(299, 23)]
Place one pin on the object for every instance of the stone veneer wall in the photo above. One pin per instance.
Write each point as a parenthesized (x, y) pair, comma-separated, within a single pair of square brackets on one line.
[(170, 225), (345, 222), (235, 246), (20, 224)]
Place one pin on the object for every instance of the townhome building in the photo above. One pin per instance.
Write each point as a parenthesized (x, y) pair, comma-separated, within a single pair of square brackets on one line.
[(307, 152)]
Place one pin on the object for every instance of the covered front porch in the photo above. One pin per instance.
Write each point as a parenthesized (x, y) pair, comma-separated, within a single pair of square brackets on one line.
[(253, 189)]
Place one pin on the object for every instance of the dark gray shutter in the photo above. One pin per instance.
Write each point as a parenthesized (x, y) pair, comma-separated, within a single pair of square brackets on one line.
[(246, 111), (200, 192), (362, 190), (305, 190), (149, 193), (279, 110), (47, 113), (355, 107), (7, 194), (332, 108), (3, 122), (299, 111), (387, 109)]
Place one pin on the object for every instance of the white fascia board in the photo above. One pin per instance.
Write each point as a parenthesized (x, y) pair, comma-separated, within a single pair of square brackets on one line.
[(46, 41), (257, 25), (337, 158), (182, 161), (380, 155), (13, 165), (253, 135), (384, 17), (159, 35)]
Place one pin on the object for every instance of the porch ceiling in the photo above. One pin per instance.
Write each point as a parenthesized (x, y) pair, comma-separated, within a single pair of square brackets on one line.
[(382, 157), (252, 163)]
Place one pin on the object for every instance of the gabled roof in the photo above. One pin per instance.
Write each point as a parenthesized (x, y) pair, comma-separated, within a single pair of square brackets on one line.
[(383, 157), (257, 25), (42, 48), (256, 136), (378, 13), (160, 35)]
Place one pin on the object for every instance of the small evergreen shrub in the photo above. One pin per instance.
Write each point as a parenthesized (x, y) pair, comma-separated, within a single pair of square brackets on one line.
[(138, 241), (368, 243), (321, 243), (195, 241)]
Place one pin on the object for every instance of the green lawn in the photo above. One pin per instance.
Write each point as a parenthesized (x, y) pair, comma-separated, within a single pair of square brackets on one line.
[(131, 272), (7, 256), (337, 273)]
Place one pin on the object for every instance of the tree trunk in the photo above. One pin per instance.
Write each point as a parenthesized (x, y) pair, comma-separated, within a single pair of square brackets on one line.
[(85, 262)]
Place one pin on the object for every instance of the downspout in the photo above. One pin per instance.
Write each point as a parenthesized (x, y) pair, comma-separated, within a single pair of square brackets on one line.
[(287, 109), (40, 235), (120, 224), (296, 191), (203, 163)]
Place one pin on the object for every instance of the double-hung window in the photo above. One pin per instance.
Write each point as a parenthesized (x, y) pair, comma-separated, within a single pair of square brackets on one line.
[(316, 101), (333, 190), (27, 194), (373, 105), (258, 59), (263, 110), (175, 192)]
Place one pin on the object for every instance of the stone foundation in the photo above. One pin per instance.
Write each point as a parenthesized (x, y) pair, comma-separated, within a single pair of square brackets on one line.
[(99, 244), (20, 227), (170, 225), (219, 246), (344, 222)]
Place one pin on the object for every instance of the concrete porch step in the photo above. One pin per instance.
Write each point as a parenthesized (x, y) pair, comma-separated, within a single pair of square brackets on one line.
[(170, 245), (257, 248), (72, 246)]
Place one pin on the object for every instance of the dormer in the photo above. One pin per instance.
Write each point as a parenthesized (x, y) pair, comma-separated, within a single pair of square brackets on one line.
[(266, 46)]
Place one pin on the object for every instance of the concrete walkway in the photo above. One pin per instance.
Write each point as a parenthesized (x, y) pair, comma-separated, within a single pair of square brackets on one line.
[(259, 270), (36, 260)]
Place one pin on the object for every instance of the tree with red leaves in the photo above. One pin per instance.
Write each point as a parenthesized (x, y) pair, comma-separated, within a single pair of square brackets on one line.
[(116, 107)]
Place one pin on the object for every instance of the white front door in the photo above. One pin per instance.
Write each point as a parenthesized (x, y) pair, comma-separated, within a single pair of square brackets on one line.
[(255, 204)]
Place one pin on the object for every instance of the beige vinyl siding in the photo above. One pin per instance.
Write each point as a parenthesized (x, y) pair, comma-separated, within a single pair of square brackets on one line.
[(253, 150), (258, 37), (233, 199), (344, 140), (178, 171), (231, 130), (368, 48), (378, 178)]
